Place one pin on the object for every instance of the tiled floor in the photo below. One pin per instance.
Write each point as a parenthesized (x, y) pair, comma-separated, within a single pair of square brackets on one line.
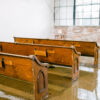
[(87, 87)]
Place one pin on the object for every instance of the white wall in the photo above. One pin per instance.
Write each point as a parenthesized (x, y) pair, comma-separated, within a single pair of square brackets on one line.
[(25, 18)]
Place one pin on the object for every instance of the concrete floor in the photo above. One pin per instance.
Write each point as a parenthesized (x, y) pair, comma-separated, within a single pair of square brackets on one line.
[(61, 87)]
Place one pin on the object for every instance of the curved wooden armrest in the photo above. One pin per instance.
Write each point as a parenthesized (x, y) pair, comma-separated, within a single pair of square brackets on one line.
[(33, 57), (98, 47), (74, 48)]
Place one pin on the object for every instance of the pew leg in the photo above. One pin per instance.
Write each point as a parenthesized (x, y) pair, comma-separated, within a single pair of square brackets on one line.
[(75, 68), (96, 57)]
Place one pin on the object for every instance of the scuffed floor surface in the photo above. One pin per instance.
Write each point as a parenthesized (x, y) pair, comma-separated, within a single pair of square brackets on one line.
[(61, 87)]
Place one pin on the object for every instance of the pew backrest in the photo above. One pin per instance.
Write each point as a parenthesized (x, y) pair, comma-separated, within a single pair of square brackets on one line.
[(86, 48), (58, 55)]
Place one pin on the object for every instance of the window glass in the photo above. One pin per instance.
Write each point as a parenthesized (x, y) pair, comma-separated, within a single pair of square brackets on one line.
[(79, 2), (63, 22), (86, 8), (95, 22), (70, 2), (63, 2), (95, 7), (79, 22), (86, 22), (63, 14), (79, 8), (69, 13), (95, 14), (86, 2), (69, 22), (79, 15), (95, 1), (87, 15), (57, 22), (57, 3)]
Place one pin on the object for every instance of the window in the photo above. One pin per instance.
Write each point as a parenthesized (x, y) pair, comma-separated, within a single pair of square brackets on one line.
[(64, 12), (87, 12), (77, 12)]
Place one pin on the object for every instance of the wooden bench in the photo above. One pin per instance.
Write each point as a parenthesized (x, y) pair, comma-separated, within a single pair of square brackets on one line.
[(84, 47), (58, 55), (32, 71)]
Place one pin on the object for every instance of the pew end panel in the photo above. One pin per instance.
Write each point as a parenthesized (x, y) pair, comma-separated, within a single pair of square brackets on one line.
[(41, 83), (96, 55), (12, 65), (75, 65), (88, 49)]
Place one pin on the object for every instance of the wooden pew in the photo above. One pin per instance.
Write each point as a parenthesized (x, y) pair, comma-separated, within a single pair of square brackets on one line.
[(58, 55), (84, 47), (32, 71)]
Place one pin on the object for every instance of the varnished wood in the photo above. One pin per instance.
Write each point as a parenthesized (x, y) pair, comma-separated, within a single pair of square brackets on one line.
[(28, 71), (40, 53), (58, 55), (85, 47)]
